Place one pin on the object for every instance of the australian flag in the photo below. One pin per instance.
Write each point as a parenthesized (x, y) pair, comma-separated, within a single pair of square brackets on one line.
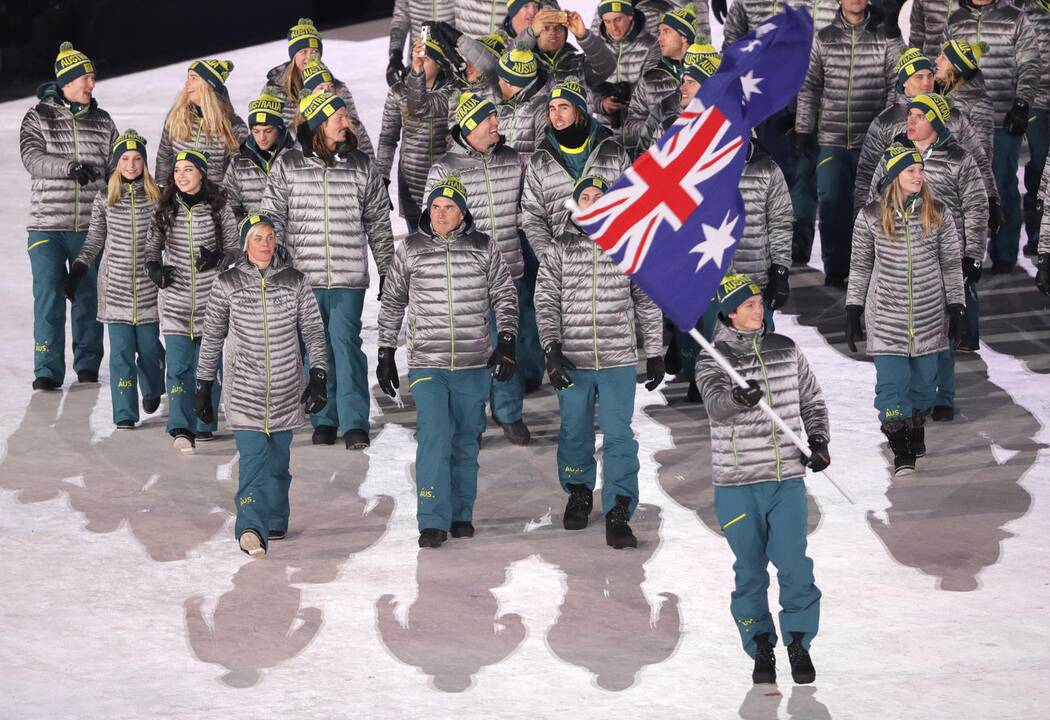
[(672, 221)]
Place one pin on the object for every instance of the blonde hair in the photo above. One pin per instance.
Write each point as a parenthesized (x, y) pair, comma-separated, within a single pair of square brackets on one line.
[(892, 205), (216, 111), (953, 80), (292, 81), (115, 188)]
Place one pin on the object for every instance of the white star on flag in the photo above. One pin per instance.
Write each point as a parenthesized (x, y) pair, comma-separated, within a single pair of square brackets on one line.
[(749, 84), (751, 45), (765, 29), (716, 242)]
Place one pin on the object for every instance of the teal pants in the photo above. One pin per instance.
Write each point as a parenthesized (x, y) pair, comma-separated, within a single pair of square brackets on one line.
[(348, 367), (181, 360), (904, 385), (50, 254), (1038, 145), (777, 135), (136, 363), (263, 481), (576, 440), (532, 366), (1006, 150), (450, 416), (507, 397), (945, 385), (972, 318), (766, 522), (836, 175)]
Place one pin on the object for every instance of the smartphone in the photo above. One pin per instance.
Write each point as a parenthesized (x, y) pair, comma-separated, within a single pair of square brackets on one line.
[(424, 32), (561, 18)]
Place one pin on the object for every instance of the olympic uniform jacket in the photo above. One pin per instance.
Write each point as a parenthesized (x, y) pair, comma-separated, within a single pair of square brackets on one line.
[(328, 217), (51, 140), (905, 282), (418, 118), (219, 156), (585, 302), (125, 292), (493, 181), (634, 53), (746, 447), (549, 183), (1011, 65), (972, 101), (184, 302), (956, 182), (593, 65), (929, 24), (448, 287), (746, 15), (1039, 18), (1044, 225), (263, 313), (291, 106), (523, 118), (850, 81), (477, 18), (409, 15), (767, 232), (656, 84), (246, 176)]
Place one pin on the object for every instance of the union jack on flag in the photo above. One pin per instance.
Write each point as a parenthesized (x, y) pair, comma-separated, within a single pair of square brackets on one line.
[(673, 219)]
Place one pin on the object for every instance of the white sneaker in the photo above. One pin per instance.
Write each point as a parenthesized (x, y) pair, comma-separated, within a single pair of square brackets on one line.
[(252, 544), (184, 445)]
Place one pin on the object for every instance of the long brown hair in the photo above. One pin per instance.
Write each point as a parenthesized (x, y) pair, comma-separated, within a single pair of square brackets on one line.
[(953, 81), (893, 204), (216, 111), (292, 81), (168, 208)]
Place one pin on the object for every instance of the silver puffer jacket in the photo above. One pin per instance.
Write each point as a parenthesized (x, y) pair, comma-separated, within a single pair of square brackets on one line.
[(892, 122), (850, 80), (634, 53), (263, 315), (767, 232), (125, 292), (493, 181), (246, 176), (746, 15), (1044, 226), (905, 282), (419, 119), (291, 107), (971, 99), (657, 83), (219, 156), (476, 18), (1011, 65), (51, 140), (448, 287), (955, 180), (585, 302), (328, 217), (929, 24), (746, 447), (1039, 19), (409, 15), (548, 184), (184, 302), (523, 118)]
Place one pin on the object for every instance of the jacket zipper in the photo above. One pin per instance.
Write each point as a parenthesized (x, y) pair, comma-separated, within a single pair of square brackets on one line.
[(594, 306), (492, 203), (451, 317), (134, 262), (266, 352), (911, 307), (736, 457), (76, 185), (769, 401), (849, 82), (327, 245), (193, 275)]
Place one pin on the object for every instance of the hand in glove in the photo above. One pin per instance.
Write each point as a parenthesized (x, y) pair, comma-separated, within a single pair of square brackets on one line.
[(806, 144), (654, 372), (971, 269), (778, 290), (558, 366), (76, 274), (1016, 120), (83, 173), (502, 359), (386, 371), (315, 396), (382, 282), (955, 321), (395, 70), (854, 332), (207, 259), (747, 397), (995, 216), (1042, 273), (718, 7), (202, 407), (819, 458), (161, 275)]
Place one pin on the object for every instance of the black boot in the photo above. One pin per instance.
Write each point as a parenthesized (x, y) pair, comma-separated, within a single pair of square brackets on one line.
[(516, 432), (693, 393), (802, 670), (765, 661), (461, 529), (432, 538), (87, 376), (151, 404), (325, 435), (617, 532), (917, 434), (578, 507), (46, 383), (943, 413), (900, 444), (356, 439)]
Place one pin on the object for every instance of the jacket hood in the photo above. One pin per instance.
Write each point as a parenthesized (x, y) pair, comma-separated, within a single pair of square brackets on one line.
[(50, 92), (465, 228)]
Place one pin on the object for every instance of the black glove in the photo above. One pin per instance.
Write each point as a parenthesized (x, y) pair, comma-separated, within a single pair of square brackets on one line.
[(446, 35), (84, 173), (784, 124), (1016, 120), (207, 259), (718, 7), (76, 274), (386, 371), (386, 186), (854, 332), (654, 372), (971, 269), (1042, 273), (747, 397), (778, 290), (806, 144), (819, 457), (202, 402), (395, 70), (995, 216), (161, 275), (315, 396), (502, 359), (955, 318), (558, 366), (382, 282)]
